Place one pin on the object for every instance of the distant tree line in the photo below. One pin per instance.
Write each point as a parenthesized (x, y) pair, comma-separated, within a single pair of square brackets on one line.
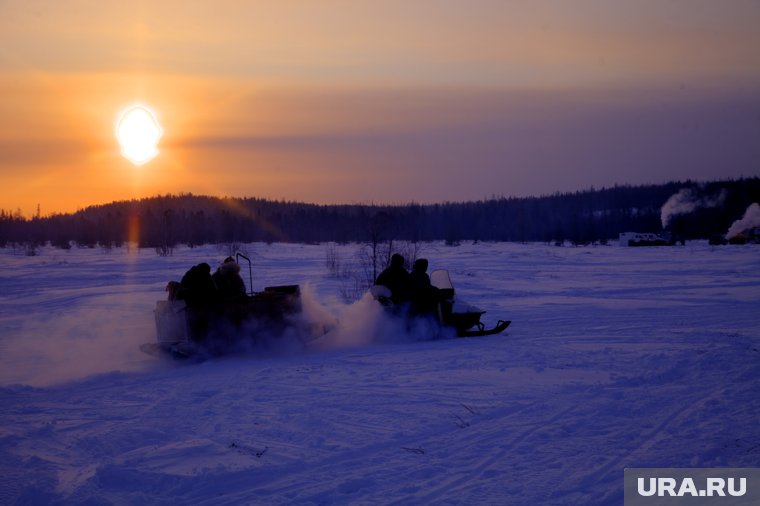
[(581, 217)]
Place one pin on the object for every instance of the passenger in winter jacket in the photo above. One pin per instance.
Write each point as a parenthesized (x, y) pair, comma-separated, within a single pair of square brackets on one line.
[(424, 296), (228, 281), (197, 287), (198, 291), (396, 278), (419, 277)]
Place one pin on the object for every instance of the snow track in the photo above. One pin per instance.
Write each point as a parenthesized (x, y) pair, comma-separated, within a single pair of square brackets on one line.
[(616, 358)]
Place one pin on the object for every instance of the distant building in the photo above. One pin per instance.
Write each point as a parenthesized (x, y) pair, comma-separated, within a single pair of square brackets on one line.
[(643, 239), (748, 236)]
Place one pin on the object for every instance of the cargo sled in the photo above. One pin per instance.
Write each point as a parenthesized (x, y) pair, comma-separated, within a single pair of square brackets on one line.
[(447, 309), (185, 328)]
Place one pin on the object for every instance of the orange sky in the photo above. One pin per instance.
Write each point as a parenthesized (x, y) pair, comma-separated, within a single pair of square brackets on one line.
[(374, 101)]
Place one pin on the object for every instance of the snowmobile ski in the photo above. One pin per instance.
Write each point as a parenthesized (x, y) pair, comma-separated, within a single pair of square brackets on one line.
[(501, 325), (175, 351)]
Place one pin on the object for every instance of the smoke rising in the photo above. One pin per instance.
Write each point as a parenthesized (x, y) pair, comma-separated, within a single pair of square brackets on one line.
[(750, 219), (685, 202)]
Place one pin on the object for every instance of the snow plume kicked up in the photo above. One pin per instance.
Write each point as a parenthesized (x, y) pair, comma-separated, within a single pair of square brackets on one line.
[(321, 327), (91, 312), (362, 323), (72, 341), (750, 219), (686, 201), (299, 333)]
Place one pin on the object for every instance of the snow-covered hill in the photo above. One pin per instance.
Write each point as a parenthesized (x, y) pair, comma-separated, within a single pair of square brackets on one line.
[(617, 357)]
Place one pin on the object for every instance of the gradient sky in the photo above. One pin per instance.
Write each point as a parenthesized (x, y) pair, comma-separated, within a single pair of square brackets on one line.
[(366, 101)]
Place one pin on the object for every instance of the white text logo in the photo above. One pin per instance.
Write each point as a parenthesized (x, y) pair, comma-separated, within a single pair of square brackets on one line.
[(714, 487)]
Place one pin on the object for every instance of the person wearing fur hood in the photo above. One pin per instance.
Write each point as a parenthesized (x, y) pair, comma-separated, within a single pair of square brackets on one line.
[(228, 282)]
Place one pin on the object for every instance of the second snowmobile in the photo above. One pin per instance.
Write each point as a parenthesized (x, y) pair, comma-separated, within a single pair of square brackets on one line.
[(447, 309)]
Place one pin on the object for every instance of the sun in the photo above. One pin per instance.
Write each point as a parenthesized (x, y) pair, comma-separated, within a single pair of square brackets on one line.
[(138, 133)]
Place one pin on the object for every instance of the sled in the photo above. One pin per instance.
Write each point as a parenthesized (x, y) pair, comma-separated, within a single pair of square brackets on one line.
[(464, 317), (184, 331)]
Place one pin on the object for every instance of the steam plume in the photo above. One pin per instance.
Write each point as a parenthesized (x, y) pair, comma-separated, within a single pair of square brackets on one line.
[(685, 202), (750, 219)]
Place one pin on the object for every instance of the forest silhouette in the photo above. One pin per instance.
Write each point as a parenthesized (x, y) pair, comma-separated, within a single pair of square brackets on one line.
[(593, 215)]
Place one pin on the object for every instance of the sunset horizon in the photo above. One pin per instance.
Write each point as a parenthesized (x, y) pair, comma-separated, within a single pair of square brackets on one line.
[(39, 210), (348, 102)]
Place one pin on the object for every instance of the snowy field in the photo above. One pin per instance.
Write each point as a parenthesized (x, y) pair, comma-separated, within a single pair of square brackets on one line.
[(617, 357)]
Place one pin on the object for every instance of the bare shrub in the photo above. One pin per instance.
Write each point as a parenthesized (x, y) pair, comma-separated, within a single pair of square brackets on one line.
[(371, 259)]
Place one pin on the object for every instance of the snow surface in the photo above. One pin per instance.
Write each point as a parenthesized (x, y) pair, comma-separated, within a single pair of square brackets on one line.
[(617, 357)]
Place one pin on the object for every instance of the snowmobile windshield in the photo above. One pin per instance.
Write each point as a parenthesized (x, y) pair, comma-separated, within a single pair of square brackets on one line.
[(440, 279)]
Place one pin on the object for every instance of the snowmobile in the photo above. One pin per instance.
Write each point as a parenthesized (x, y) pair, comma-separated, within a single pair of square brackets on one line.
[(186, 329), (448, 310)]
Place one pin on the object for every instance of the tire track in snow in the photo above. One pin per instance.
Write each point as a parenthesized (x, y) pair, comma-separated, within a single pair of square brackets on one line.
[(689, 407), (439, 489)]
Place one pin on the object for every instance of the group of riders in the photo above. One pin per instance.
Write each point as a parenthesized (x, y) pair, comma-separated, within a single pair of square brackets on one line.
[(210, 298), (199, 287), (222, 294), (410, 289)]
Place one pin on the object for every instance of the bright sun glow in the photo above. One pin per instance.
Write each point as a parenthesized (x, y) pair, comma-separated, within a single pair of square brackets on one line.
[(138, 133)]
